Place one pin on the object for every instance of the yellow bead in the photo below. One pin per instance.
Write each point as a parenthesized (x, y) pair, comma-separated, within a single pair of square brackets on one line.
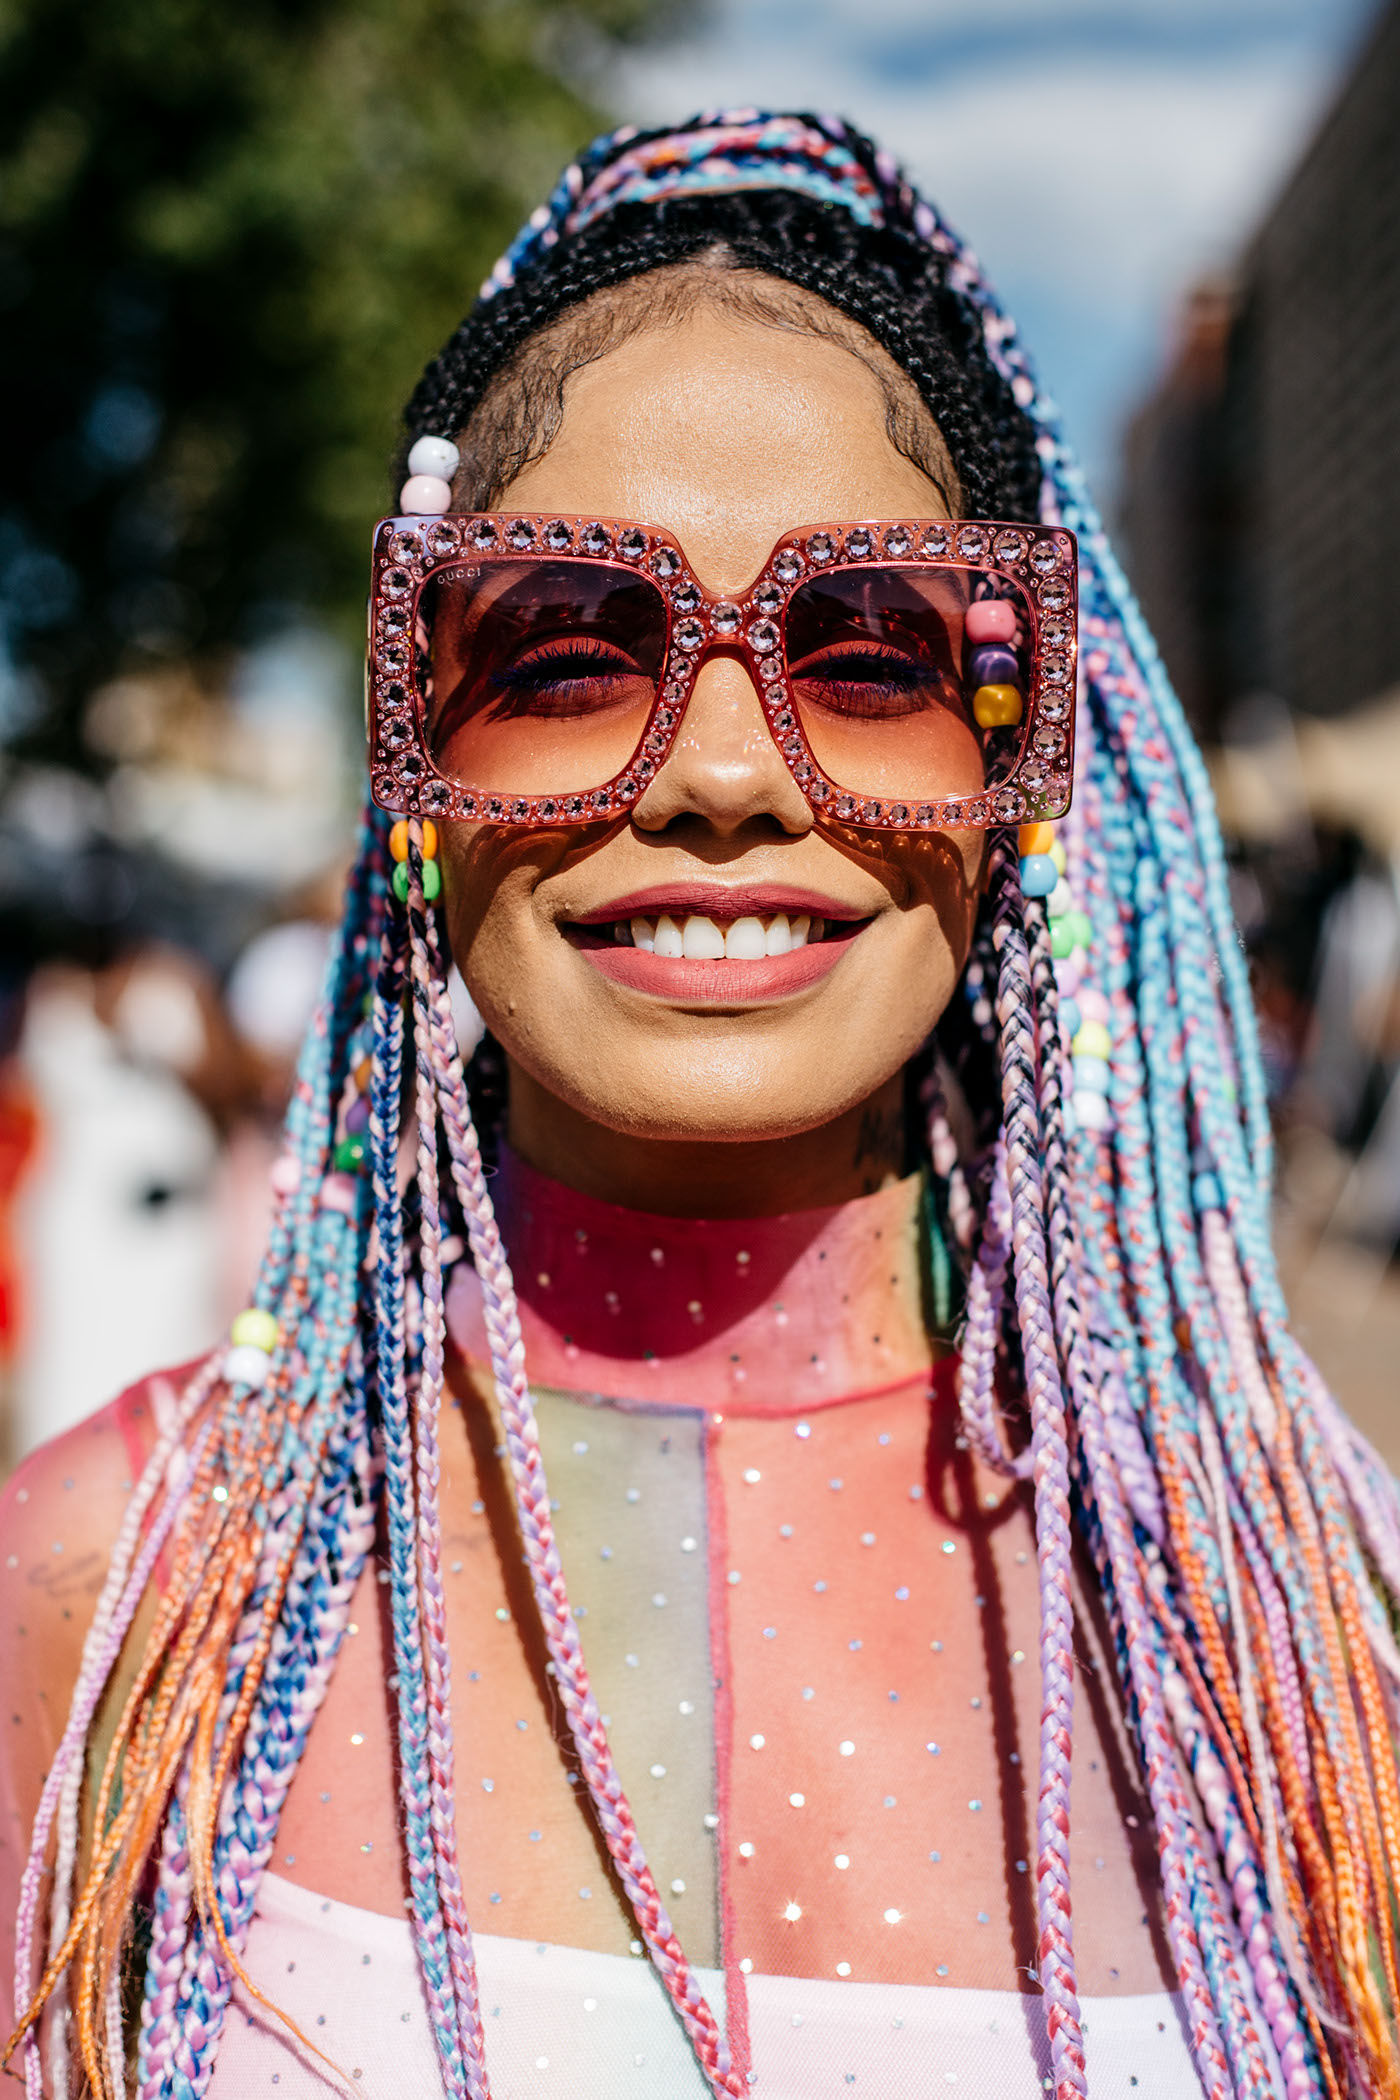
[(254, 1329), (1093, 1040), (1057, 854), (1035, 838), (398, 840), (996, 706)]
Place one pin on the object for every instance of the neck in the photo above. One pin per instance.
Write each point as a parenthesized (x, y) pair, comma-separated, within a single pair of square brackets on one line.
[(857, 1153)]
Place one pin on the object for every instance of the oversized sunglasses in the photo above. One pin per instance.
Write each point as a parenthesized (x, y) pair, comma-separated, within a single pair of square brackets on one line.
[(913, 674)]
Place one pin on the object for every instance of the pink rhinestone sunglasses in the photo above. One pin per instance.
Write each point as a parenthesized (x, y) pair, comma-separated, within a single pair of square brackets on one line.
[(536, 670)]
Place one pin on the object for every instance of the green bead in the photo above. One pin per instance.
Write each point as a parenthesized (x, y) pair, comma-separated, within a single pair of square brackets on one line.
[(254, 1328), (432, 880), (1081, 927), (1061, 938), (349, 1155)]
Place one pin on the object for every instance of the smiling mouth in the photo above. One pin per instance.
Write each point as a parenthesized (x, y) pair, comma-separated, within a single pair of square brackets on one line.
[(696, 937), (704, 961)]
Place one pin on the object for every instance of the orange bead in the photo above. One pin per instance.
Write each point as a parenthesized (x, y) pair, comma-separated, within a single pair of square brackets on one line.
[(398, 840), (1035, 838)]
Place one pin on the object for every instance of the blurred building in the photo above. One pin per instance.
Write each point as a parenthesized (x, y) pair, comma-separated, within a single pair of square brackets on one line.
[(1259, 508)]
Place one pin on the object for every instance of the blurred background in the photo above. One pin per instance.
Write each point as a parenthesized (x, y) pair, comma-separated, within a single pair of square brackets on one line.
[(229, 239)]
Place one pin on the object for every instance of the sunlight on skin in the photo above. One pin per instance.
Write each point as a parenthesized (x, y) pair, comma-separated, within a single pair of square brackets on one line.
[(729, 434)]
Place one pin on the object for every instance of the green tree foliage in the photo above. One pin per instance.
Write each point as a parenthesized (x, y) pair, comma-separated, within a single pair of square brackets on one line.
[(231, 232)]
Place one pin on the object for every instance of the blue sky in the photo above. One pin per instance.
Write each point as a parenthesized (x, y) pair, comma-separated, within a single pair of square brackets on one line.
[(1100, 154)]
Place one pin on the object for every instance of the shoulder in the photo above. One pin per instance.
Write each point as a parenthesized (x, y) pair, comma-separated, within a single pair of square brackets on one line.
[(60, 1515)]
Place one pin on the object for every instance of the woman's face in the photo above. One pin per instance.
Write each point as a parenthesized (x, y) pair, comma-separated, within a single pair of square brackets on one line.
[(729, 433)]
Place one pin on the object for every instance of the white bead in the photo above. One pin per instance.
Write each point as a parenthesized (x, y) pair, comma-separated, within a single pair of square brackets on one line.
[(424, 496), (247, 1365), (435, 456), (1060, 899), (1091, 1111)]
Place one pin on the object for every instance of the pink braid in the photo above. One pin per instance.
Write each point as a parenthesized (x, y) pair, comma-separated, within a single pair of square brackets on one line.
[(532, 1504), (427, 1408), (1049, 1446)]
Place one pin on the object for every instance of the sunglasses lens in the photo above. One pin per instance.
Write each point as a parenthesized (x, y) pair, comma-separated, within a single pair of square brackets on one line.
[(540, 675), (911, 681)]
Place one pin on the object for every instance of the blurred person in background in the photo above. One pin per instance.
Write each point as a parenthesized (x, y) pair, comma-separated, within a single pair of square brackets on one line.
[(806, 1028)]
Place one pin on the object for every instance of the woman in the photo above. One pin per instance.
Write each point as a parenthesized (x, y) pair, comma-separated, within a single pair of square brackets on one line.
[(782, 1058)]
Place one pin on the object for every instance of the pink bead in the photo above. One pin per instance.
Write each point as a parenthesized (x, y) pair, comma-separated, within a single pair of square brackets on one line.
[(1069, 974), (1093, 1005), (338, 1193), (1298, 2085), (285, 1175), (424, 496), (1275, 2001), (990, 620)]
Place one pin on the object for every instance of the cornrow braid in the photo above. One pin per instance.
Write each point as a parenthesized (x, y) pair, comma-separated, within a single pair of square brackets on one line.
[(884, 278), (1125, 1340)]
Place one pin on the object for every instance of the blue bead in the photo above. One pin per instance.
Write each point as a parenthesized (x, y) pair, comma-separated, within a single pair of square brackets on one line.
[(1091, 1075), (1205, 1193), (993, 665), (1070, 1017), (1038, 875)]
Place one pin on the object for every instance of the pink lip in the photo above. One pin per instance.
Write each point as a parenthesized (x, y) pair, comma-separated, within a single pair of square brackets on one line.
[(723, 983), (719, 900)]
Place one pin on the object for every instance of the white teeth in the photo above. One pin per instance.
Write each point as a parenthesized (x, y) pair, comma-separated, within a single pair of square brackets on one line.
[(703, 940), (745, 941), (697, 938)]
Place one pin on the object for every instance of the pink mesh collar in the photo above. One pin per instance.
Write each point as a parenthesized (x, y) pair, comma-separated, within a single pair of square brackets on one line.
[(751, 1315)]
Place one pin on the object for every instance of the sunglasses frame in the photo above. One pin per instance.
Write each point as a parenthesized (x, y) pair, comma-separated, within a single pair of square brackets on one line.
[(1040, 559)]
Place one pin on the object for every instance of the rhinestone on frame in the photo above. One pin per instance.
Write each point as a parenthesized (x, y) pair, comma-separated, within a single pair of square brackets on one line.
[(933, 542), (482, 533), (664, 563), (632, 545), (689, 635), (444, 539), (394, 582), (763, 636), (898, 541), (972, 543), (768, 599), (597, 539), (820, 547), (520, 533), (859, 543), (1045, 556), (787, 566), (725, 618), (558, 535), (685, 598), (1009, 546), (1054, 595)]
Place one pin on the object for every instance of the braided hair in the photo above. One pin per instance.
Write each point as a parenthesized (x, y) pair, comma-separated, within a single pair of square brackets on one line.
[(1117, 1267)]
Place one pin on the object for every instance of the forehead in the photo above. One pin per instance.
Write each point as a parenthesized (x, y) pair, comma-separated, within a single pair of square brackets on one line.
[(729, 432)]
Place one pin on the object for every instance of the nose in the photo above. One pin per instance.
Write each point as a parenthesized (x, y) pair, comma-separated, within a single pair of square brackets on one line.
[(724, 765)]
